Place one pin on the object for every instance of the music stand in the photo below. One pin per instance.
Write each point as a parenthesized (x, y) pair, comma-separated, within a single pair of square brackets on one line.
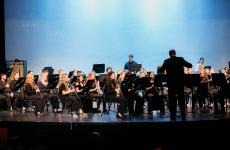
[(70, 74), (141, 83), (160, 79), (134, 67), (99, 68), (49, 69), (218, 79), (192, 80), (159, 70), (53, 81)]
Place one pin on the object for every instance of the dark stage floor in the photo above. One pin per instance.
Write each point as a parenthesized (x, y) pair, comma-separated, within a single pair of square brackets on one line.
[(27, 131)]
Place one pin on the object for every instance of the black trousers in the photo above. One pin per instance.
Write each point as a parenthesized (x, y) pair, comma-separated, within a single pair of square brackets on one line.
[(155, 102), (73, 101), (176, 92), (139, 105), (87, 103), (131, 98), (5, 100), (122, 106), (40, 102), (53, 100)]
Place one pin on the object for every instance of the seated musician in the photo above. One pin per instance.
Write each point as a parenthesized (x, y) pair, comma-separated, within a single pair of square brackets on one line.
[(73, 74), (17, 93), (139, 96), (187, 90), (113, 93), (32, 92), (224, 93), (85, 99), (94, 91), (46, 93), (67, 96), (5, 94), (202, 90), (154, 96)]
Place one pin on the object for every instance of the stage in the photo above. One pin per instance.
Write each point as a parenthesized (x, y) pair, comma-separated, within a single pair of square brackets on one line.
[(26, 131)]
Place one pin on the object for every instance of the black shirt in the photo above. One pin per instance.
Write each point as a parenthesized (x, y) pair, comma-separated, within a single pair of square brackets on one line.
[(110, 88), (174, 67)]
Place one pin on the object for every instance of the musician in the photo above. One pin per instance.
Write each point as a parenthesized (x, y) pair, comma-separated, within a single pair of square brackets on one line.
[(32, 92), (46, 93), (109, 69), (66, 95), (200, 65), (5, 94), (127, 88), (203, 89), (131, 61), (73, 74), (113, 93), (174, 67), (121, 77), (94, 91), (154, 95), (85, 99), (16, 99), (187, 90), (139, 96), (224, 90)]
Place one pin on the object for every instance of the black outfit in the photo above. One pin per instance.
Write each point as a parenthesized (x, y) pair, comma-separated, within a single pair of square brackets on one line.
[(4, 98), (17, 99), (94, 95), (85, 99), (111, 96), (30, 94), (174, 67), (46, 95), (155, 100), (69, 99), (128, 93), (203, 93)]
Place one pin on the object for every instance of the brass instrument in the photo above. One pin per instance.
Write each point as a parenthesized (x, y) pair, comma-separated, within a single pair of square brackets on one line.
[(208, 80)]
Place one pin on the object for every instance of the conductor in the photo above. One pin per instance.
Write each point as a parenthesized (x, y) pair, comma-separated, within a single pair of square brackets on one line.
[(174, 67)]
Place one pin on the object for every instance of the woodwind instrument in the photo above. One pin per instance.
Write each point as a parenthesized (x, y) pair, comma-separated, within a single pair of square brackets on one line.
[(118, 90)]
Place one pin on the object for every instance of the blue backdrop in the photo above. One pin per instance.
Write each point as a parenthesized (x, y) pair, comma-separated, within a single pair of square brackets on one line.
[(75, 34)]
